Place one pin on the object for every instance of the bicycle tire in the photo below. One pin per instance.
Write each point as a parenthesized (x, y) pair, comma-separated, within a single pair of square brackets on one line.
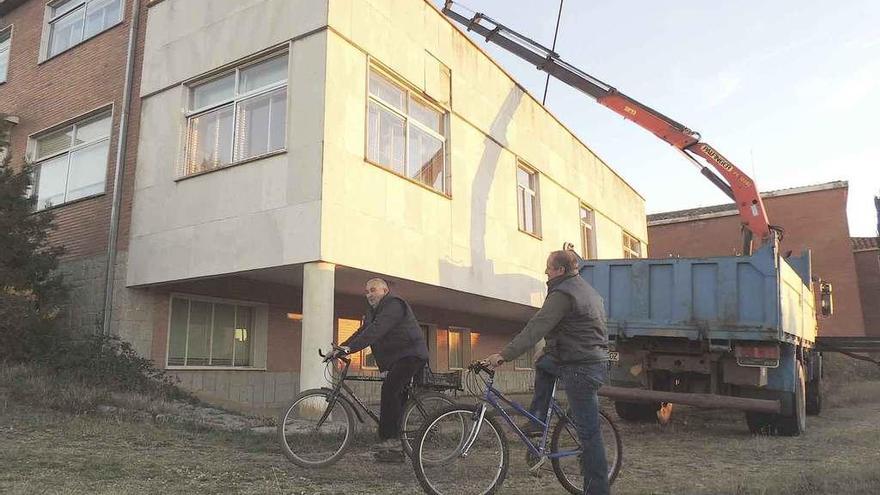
[(614, 465), (288, 447), (413, 419), (469, 411)]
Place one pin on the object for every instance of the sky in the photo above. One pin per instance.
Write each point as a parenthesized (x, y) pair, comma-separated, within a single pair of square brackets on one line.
[(787, 90)]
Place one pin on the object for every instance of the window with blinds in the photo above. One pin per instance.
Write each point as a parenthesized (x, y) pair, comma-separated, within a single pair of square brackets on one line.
[(71, 162), (73, 21), (236, 116), (210, 333), (5, 47)]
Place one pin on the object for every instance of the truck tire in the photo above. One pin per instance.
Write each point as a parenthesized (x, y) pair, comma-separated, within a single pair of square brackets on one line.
[(777, 424), (814, 397), (637, 411)]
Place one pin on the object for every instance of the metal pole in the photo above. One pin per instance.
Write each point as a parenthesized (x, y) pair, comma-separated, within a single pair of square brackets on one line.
[(120, 166), (555, 34)]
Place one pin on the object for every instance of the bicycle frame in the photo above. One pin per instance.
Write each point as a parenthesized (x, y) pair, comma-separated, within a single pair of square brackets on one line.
[(493, 397)]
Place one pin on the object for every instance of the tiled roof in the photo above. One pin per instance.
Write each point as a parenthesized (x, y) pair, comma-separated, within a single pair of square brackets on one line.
[(862, 243), (730, 208)]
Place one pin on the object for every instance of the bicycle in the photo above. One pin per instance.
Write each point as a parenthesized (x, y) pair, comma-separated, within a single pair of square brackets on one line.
[(482, 453), (317, 427)]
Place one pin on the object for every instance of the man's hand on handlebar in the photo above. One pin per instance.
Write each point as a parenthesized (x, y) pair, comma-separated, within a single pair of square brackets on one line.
[(335, 352), (493, 360)]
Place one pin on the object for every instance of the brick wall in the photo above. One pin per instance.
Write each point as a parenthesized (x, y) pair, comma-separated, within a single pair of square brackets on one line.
[(868, 269), (815, 220)]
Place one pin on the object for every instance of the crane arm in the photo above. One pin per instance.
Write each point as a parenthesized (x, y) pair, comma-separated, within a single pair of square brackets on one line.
[(732, 181)]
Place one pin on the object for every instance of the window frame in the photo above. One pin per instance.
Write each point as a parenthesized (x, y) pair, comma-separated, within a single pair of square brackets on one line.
[(105, 112), (409, 93), (628, 252), (234, 102), (588, 249), (52, 19), (259, 330), (535, 194), (7, 31)]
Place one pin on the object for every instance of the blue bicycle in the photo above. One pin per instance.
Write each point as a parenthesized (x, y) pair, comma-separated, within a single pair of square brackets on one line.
[(463, 450)]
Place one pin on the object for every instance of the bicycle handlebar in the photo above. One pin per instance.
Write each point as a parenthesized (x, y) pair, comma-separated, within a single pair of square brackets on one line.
[(336, 353), (479, 366)]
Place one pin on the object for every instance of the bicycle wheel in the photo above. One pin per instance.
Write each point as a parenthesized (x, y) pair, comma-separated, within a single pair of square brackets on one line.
[(419, 409), (444, 467), (313, 431), (568, 468)]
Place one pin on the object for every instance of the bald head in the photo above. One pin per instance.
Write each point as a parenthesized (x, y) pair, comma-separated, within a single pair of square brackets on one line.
[(374, 290)]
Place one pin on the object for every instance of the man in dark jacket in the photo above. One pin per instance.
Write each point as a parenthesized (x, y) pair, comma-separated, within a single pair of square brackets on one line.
[(572, 323), (390, 328)]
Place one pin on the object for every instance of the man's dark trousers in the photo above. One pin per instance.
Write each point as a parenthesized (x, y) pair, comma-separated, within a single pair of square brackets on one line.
[(393, 397)]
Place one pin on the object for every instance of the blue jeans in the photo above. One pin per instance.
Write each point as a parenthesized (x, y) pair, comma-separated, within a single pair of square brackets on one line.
[(582, 382)]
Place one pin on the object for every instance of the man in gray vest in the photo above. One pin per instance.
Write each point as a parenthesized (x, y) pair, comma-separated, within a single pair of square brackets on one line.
[(572, 323), (391, 330)]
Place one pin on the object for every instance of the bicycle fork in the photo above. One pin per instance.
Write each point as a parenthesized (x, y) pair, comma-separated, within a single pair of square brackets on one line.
[(475, 430)]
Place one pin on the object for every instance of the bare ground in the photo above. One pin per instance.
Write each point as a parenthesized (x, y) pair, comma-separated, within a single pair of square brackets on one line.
[(45, 451)]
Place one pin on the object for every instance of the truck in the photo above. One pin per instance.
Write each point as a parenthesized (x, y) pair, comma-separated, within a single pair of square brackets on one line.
[(735, 332)]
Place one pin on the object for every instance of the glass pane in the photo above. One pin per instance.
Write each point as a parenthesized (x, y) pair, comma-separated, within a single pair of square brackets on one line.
[(209, 141), (213, 92), (54, 143), (529, 213), (455, 354), (261, 124), (88, 170), (199, 339), (4, 54), (369, 359), (387, 137), (52, 182), (523, 178), (101, 14), (520, 207), (263, 74), (224, 333), (386, 90), (92, 130), (243, 336), (65, 6), (426, 158), (177, 332), (66, 32), (586, 216), (425, 114)]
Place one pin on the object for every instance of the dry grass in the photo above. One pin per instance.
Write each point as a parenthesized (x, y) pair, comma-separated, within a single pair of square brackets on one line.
[(48, 451)]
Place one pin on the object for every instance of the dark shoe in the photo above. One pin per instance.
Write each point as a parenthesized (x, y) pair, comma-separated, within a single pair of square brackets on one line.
[(389, 456)]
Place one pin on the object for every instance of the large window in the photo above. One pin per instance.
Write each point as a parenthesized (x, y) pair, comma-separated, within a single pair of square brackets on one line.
[(527, 200), (72, 162), (632, 247), (72, 21), (236, 116), (405, 133), (5, 47), (588, 242), (208, 333), (459, 345)]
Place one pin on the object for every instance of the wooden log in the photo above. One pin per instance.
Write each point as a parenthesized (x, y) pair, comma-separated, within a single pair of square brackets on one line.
[(697, 400)]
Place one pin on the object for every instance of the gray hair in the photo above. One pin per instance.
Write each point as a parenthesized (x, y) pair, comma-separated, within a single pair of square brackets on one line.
[(564, 259), (378, 281)]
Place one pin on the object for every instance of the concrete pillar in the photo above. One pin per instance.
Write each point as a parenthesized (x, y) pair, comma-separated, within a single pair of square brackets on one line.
[(319, 283)]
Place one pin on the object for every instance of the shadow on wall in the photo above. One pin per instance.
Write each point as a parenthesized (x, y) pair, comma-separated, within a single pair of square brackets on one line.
[(482, 270)]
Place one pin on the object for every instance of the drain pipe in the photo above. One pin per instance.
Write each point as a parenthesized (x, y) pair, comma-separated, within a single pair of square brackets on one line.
[(120, 166)]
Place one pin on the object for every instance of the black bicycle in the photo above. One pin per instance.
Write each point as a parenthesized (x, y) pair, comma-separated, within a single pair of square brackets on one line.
[(317, 427)]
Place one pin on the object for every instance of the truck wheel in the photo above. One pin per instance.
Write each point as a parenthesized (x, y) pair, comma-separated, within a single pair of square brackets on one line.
[(814, 397), (794, 425), (637, 411)]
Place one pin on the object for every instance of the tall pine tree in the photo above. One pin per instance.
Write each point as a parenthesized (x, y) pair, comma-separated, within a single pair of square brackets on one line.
[(31, 290)]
